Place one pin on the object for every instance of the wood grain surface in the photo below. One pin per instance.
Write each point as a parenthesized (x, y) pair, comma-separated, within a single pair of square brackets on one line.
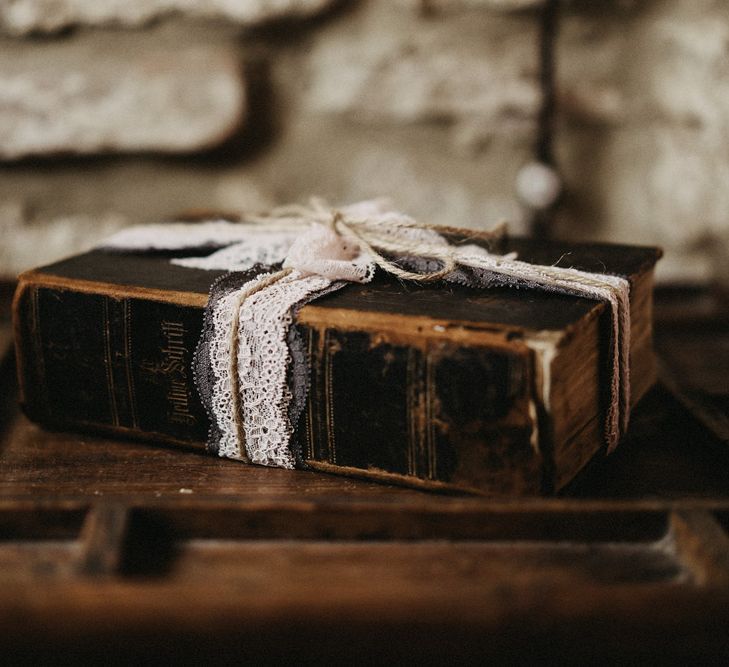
[(121, 552)]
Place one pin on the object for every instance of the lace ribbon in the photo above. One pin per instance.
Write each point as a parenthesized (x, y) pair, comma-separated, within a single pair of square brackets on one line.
[(251, 371)]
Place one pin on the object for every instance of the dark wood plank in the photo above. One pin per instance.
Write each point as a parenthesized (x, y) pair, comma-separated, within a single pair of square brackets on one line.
[(416, 613), (6, 341), (692, 340), (667, 453), (102, 539), (430, 518), (37, 463), (703, 545)]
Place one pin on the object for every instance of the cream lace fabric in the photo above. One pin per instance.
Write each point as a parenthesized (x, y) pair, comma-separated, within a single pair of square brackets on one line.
[(250, 367), (263, 359), (259, 247), (177, 236)]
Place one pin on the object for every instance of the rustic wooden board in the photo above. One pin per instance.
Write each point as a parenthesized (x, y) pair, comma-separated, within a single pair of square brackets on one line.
[(694, 346), (121, 551), (325, 579)]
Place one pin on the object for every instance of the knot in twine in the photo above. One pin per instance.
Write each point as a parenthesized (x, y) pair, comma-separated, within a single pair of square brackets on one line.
[(347, 243)]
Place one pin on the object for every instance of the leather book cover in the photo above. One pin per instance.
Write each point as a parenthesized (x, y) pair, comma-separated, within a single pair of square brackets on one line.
[(436, 386)]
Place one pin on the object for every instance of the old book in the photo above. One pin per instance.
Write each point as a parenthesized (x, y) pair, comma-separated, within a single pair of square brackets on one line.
[(498, 391)]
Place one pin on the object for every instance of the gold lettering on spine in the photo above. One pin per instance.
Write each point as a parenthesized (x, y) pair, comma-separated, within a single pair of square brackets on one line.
[(108, 363), (174, 368), (128, 363), (429, 417), (310, 402), (418, 449), (328, 396), (174, 363)]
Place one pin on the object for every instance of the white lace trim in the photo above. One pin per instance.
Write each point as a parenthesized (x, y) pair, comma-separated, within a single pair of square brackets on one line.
[(258, 247), (178, 236), (219, 352), (263, 360)]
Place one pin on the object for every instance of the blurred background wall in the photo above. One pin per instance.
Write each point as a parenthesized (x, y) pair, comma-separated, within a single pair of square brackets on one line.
[(115, 112)]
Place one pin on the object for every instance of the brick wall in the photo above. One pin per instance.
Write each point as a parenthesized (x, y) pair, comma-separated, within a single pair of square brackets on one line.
[(120, 112)]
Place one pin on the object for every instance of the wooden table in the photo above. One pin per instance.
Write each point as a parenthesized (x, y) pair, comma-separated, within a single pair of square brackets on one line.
[(119, 551)]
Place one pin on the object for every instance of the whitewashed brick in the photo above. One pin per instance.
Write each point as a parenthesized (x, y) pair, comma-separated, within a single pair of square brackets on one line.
[(461, 5), (644, 128), (28, 242), (395, 67), (22, 17), (70, 99)]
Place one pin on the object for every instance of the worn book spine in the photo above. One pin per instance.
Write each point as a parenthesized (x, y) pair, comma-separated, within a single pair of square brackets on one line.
[(431, 400), (107, 362), (398, 397), (419, 399)]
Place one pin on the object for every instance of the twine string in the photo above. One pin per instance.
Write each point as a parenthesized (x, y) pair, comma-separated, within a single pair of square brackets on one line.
[(381, 232), (246, 292)]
